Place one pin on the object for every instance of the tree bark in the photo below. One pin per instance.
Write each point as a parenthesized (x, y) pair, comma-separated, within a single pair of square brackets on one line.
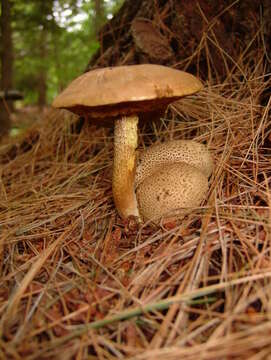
[(46, 9), (7, 65), (204, 37), (42, 80), (99, 15)]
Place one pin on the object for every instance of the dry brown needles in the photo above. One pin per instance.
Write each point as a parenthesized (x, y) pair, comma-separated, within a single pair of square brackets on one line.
[(78, 283)]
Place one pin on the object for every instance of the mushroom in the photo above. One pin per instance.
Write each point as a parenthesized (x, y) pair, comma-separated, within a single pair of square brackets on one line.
[(121, 94), (173, 190), (171, 178), (175, 151)]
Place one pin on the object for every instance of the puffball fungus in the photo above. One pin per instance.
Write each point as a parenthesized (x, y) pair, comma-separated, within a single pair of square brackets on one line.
[(159, 155), (171, 191), (172, 178)]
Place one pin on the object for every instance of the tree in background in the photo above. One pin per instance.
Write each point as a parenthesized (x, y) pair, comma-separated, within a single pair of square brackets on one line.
[(52, 42), (46, 9), (6, 64), (34, 27), (56, 44), (99, 16)]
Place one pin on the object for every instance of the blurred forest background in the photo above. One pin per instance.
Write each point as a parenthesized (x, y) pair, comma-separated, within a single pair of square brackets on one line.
[(45, 44)]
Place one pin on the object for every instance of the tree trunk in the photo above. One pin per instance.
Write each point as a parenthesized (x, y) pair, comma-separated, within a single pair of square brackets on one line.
[(99, 15), (46, 10), (7, 65), (201, 36), (42, 79)]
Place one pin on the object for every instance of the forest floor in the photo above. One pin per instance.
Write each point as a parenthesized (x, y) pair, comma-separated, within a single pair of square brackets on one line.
[(25, 116), (77, 282)]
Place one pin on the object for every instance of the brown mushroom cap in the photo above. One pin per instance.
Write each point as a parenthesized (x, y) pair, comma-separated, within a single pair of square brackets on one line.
[(174, 190), (126, 90), (159, 155)]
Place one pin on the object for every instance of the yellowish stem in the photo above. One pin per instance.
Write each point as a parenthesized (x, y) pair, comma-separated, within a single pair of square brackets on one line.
[(125, 144)]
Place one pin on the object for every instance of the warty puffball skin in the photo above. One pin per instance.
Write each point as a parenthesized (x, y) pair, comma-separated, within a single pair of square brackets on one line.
[(172, 191), (174, 151)]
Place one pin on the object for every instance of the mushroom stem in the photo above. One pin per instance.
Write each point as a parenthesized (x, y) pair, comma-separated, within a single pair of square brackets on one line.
[(124, 167)]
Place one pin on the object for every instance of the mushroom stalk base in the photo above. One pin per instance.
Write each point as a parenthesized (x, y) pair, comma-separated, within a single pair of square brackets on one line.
[(125, 144)]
